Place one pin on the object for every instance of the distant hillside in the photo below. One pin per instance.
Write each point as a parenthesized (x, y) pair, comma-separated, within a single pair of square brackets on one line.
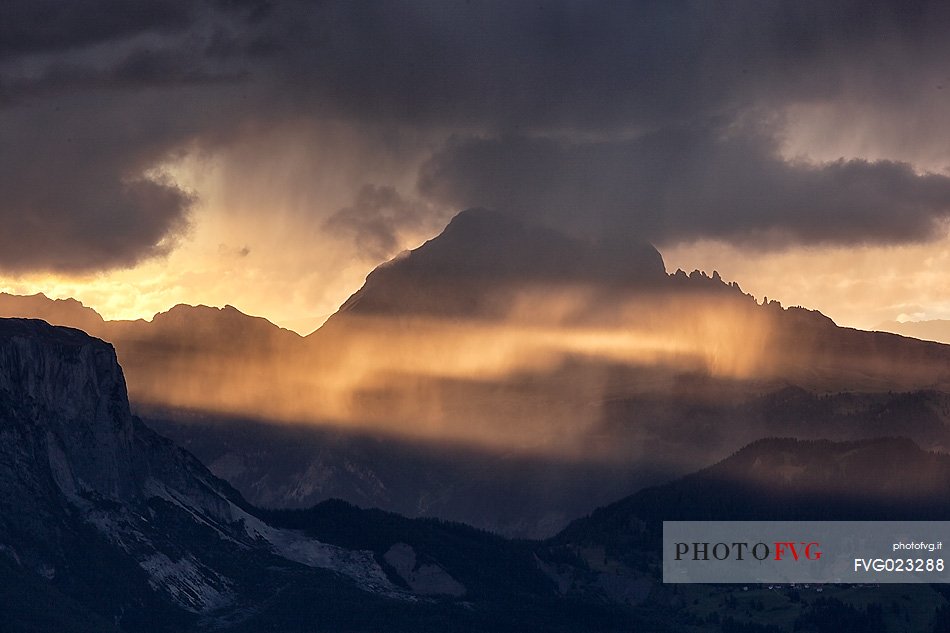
[(789, 479), (936, 330), (774, 480), (616, 548), (612, 557), (184, 356)]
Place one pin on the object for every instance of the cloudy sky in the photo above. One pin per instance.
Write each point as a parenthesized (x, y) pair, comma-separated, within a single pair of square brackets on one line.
[(270, 154)]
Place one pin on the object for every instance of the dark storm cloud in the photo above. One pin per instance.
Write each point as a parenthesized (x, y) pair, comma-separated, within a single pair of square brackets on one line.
[(81, 206), (93, 96), (31, 26), (602, 117), (656, 120), (690, 183), (110, 224), (49, 26), (141, 68), (601, 66)]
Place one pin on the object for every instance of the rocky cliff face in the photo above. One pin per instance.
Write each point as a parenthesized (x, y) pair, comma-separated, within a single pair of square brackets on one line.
[(65, 397), (80, 474)]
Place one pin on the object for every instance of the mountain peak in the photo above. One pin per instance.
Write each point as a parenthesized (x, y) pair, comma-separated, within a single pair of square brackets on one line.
[(69, 312), (228, 322), (480, 217), (483, 255), (486, 241)]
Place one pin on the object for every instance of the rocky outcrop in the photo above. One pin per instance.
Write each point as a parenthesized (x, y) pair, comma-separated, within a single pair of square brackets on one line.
[(65, 396), (78, 471)]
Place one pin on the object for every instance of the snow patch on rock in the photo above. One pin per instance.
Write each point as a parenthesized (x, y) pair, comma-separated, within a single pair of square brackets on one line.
[(188, 582), (296, 546)]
